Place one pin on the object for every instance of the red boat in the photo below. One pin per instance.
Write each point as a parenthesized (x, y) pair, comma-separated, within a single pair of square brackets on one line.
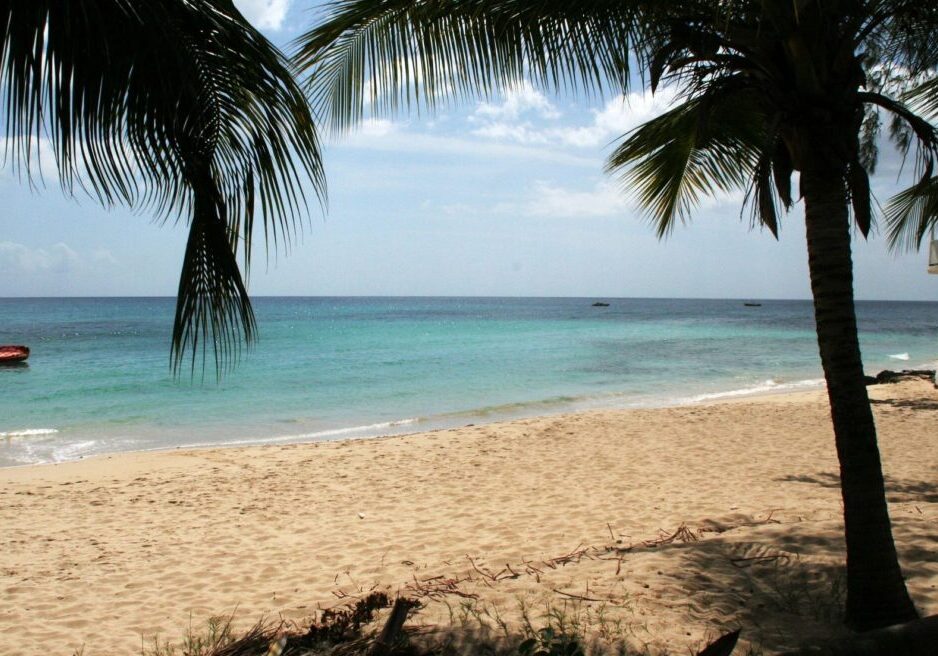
[(10, 353)]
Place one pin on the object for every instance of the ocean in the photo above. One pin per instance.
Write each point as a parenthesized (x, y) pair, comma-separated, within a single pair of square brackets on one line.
[(99, 381)]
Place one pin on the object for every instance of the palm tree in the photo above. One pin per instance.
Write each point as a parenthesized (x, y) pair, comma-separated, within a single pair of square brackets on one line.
[(174, 106), (766, 87)]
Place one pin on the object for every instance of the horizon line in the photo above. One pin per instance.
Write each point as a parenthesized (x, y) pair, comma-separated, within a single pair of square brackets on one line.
[(475, 296)]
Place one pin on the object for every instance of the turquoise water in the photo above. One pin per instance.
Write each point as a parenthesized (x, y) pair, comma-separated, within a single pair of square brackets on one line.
[(98, 379)]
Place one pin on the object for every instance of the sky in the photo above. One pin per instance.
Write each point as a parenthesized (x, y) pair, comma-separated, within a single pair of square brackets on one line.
[(502, 197)]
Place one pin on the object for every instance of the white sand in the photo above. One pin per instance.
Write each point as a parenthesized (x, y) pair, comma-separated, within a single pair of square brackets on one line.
[(107, 551)]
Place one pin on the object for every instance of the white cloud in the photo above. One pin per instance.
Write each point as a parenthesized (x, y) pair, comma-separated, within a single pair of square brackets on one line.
[(605, 199), (264, 14), (103, 256), (376, 127), (42, 167), (19, 259), (618, 116), (546, 200), (518, 132), (522, 99)]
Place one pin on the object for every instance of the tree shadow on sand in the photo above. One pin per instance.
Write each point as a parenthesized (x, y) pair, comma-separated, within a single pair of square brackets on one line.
[(910, 404), (897, 490), (779, 591), (785, 584)]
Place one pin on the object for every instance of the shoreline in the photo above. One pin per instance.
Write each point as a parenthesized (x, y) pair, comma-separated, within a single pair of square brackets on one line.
[(112, 550), (435, 423)]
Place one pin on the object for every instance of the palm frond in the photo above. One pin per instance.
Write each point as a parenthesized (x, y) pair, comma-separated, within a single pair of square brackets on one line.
[(782, 170), (394, 53), (704, 145), (761, 195), (180, 108), (858, 184), (924, 97), (911, 128), (213, 308), (911, 214), (904, 32)]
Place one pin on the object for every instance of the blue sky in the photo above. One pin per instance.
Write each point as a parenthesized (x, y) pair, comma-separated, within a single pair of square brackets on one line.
[(505, 197)]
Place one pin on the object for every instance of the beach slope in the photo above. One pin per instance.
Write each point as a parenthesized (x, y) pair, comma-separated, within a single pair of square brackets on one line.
[(660, 526)]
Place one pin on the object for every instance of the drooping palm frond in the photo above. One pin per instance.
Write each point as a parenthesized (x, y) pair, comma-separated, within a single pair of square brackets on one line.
[(902, 33), (708, 144), (178, 107), (923, 97), (912, 129), (393, 53), (912, 214)]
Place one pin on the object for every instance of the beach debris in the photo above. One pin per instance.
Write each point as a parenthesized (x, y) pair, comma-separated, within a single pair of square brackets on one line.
[(575, 556), (887, 376), (391, 634), (438, 587), (276, 647), (741, 563), (681, 534), (361, 515), (342, 625), (571, 595), (712, 526), (722, 646)]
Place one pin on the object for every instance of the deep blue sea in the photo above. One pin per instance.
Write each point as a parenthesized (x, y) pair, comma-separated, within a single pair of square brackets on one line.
[(99, 381)]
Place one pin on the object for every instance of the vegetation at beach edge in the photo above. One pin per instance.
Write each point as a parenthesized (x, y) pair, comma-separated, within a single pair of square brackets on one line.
[(567, 629)]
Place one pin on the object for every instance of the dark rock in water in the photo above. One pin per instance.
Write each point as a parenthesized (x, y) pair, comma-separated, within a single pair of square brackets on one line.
[(887, 376), (600, 304)]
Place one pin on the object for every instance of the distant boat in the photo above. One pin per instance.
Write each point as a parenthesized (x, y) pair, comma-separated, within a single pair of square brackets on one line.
[(600, 304), (10, 353), (753, 304)]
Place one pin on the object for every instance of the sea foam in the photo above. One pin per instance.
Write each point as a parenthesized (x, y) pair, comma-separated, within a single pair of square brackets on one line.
[(767, 386), (30, 432)]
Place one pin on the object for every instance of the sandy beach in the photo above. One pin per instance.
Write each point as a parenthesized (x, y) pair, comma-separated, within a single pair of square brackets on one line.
[(580, 511)]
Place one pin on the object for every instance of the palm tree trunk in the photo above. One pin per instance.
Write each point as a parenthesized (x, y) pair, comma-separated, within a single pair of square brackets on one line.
[(876, 593)]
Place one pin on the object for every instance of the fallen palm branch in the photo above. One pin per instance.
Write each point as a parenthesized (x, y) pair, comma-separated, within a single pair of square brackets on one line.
[(438, 587), (681, 534)]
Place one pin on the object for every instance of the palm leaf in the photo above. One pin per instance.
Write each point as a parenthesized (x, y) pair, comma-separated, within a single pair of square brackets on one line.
[(858, 183), (394, 53), (911, 214), (178, 107), (912, 128), (924, 97), (704, 145)]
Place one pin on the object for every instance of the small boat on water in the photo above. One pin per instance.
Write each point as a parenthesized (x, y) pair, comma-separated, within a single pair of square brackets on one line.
[(10, 353), (753, 304), (600, 304)]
